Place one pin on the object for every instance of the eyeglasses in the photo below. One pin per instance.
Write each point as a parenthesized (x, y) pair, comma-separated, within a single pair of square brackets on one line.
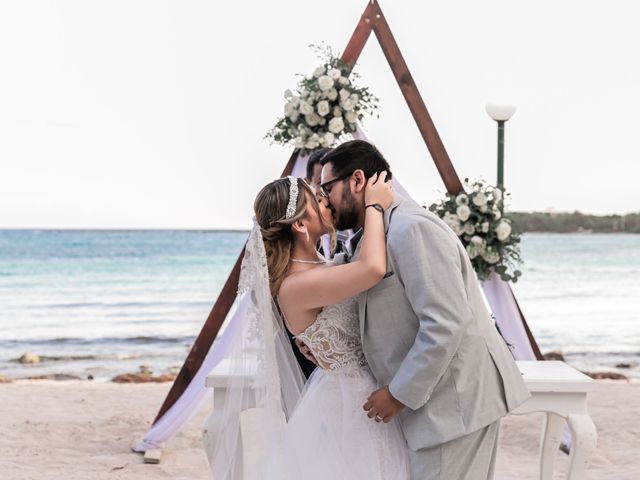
[(325, 189)]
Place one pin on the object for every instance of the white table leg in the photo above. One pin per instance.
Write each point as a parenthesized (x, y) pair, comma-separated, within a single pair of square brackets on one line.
[(583, 443), (551, 437)]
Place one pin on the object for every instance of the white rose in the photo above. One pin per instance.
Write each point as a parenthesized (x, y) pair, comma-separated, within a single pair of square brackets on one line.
[(478, 241), (463, 212), (485, 227), (491, 256), (329, 139), (480, 199), (334, 73), (450, 217), (348, 104), (289, 109), (472, 251), (462, 199), (318, 72), (503, 230), (331, 94), (288, 94), (354, 97), (304, 93), (298, 143), (343, 81), (352, 117), (312, 120), (454, 223), (344, 93), (337, 111), (469, 229), (496, 214), (479, 244), (323, 108), (311, 144), (497, 194), (325, 82), (336, 125), (305, 108), (484, 208)]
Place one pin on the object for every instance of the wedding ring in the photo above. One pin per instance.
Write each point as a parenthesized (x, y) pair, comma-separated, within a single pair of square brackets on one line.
[(379, 418)]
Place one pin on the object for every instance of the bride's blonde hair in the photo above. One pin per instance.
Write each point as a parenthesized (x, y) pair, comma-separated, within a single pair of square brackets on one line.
[(270, 208)]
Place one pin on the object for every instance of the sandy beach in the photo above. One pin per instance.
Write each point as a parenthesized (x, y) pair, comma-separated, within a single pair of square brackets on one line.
[(80, 430)]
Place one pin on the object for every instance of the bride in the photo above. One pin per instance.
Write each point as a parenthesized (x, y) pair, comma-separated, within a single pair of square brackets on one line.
[(273, 426)]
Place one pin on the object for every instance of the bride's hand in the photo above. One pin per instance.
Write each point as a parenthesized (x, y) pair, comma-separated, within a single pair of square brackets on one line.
[(378, 190)]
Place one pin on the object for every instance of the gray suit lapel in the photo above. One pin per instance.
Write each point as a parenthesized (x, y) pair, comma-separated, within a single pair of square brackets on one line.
[(362, 298)]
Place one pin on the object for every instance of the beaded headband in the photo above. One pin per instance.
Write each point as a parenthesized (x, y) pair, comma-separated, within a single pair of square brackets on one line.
[(293, 197)]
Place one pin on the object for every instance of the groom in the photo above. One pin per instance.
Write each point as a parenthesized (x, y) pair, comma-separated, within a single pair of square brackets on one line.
[(426, 333)]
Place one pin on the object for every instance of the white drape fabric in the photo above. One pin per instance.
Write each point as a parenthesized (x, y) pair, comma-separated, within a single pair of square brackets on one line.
[(189, 402), (264, 382), (503, 305)]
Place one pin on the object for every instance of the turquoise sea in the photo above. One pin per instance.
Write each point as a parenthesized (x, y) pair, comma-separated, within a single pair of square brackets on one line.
[(103, 303)]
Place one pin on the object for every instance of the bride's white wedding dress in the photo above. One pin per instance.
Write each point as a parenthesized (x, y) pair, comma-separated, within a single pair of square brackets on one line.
[(270, 424), (329, 435)]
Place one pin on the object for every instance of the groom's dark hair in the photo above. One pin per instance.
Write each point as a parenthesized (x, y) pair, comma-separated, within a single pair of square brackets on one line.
[(354, 155)]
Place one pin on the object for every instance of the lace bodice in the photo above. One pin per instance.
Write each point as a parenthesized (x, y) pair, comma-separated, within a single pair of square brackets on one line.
[(334, 337)]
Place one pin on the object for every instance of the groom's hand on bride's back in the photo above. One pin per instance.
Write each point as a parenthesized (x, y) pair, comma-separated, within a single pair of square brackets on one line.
[(381, 406), (306, 352)]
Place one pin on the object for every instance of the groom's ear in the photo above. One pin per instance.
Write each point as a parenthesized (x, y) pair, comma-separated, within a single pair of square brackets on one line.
[(360, 181)]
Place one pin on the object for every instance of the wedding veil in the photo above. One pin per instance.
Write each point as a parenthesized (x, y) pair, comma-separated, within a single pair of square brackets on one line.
[(261, 378)]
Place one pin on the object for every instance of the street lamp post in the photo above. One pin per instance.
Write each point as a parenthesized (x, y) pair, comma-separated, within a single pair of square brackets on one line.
[(500, 113)]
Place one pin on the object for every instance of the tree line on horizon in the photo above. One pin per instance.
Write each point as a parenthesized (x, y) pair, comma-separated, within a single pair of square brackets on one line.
[(572, 222)]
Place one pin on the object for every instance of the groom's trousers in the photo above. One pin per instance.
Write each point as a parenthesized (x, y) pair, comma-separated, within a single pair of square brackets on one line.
[(471, 457)]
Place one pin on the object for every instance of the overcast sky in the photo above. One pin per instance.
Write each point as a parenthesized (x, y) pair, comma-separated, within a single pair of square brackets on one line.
[(151, 114)]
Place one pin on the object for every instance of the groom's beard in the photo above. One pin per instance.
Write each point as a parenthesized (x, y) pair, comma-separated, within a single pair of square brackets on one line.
[(347, 215)]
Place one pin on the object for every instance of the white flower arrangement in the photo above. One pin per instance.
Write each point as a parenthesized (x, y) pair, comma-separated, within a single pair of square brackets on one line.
[(488, 236), (324, 107)]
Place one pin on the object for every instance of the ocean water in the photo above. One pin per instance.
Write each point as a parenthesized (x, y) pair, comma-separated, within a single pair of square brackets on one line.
[(102, 303)]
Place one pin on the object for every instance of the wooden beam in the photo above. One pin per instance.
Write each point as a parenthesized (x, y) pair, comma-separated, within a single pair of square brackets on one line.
[(211, 327), (360, 36), (414, 101)]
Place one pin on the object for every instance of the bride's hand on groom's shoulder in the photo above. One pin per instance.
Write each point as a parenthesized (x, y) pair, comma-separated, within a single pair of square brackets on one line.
[(378, 190), (381, 406)]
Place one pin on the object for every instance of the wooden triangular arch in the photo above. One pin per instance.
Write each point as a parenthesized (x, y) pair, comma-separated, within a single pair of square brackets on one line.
[(372, 20)]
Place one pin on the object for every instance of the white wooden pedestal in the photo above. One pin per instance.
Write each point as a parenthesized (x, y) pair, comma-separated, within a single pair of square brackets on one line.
[(560, 391)]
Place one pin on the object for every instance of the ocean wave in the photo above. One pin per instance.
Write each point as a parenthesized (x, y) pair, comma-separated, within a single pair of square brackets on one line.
[(78, 341), (107, 305)]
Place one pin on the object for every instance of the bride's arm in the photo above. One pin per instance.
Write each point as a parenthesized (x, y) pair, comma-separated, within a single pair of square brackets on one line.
[(319, 287)]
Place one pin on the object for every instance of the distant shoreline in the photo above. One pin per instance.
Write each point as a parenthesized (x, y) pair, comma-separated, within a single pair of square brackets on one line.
[(525, 222), (575, 222), (127, 230)]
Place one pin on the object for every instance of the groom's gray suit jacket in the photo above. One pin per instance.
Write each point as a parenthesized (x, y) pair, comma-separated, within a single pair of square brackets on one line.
[(426, 333)]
